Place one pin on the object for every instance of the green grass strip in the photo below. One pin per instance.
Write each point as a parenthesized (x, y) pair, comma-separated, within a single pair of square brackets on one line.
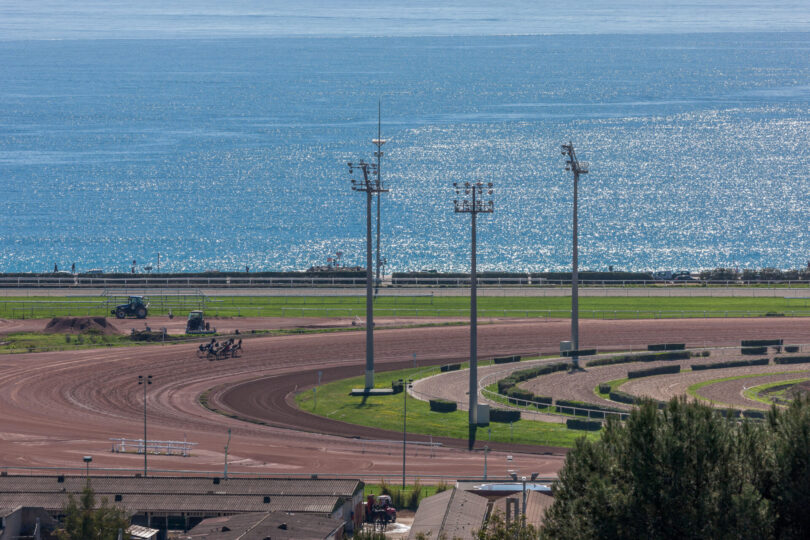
[(630, 307)]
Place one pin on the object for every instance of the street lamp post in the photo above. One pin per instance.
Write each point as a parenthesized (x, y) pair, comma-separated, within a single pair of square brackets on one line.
[(371, 186), (87, 460), (473, 205), (523, 481), (405, 386), (145, 381), (573, 165)]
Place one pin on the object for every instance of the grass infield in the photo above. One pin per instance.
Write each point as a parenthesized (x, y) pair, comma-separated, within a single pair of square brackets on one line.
[(627, 307), (386, 412)]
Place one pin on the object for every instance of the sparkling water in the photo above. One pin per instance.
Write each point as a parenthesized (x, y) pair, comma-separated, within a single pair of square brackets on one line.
[(228, 147)]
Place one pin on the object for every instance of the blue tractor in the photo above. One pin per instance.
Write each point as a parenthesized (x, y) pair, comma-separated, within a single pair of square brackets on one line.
[(138, 307)]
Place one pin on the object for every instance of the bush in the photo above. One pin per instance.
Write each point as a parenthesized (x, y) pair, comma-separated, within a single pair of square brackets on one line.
[(667, 347), (700, 354), (791, 359), (503, 415), (653, 371), (506, 359), (648, 357), (623, 397), (754, 350), (584, 425), (730, 364), (604, 388), (450, 367), (760, 342), (442, 405), (791, 348), (397, 386)]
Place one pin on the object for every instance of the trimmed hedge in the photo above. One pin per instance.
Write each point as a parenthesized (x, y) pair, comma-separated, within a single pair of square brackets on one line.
[(579, 352), (451, 367), (791, 348), (700, 354), (645, 357), (525, 374), (604, 388), (734, 363), (754, 350), (506, 359), (442, 405), (396, 386), (760, 342), (667, 347), (653, 371), (791, 359), (623, 397), (503, 415), (583, 425), (753, 414)]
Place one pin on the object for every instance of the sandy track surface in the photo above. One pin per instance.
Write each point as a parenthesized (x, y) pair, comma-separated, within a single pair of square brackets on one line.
[(57, 407), (723, 393)]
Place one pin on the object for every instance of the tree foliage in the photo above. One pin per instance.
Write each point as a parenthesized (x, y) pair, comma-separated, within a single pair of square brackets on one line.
[(84, 520), (686, 472)]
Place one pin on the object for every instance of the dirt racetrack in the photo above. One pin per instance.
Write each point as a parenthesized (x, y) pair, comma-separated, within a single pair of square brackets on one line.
[(56, 407)]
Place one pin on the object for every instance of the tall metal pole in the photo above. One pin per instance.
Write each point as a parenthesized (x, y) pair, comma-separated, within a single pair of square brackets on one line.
[(405, 386), (370, 187), (473, 206), (145, 381), (379, 141), (573, 165)]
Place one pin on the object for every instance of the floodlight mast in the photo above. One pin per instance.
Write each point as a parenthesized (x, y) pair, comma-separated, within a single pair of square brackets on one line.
[(378, 142), (474, 205), (573, 165), (371, 185)]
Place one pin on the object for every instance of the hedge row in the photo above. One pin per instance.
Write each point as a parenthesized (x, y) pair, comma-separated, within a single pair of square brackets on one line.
[(503, 415), (584, 425), (734, 363), (753, 414), (442, 405), (579, 352), (623, 397), (760, 342), (791, 359), (525, 374), (648, 357), (526, 395), (698, 354), (451, 367), (506, 359), (397, 386), (604, 388), (754, 350), (653, 371), (667, 347), (791, 348)]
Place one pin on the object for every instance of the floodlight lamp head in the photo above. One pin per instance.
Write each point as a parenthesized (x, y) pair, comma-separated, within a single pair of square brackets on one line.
[(87, 459), (513, 475), (535, 475)]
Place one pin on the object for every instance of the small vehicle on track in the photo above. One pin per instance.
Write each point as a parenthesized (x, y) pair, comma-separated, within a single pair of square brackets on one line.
[(380, 511), (196, 324), (138, 306)]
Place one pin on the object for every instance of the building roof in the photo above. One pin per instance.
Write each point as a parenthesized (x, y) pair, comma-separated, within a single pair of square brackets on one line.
[(137, 532), (451, 514), (258, 526), (536, 504), (182, 495), (181, 485)]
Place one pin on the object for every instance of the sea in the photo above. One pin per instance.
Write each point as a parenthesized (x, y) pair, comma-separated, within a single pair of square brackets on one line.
[(216, 135)]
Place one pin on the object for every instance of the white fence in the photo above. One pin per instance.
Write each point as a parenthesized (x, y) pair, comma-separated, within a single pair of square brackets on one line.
[(168, 448)]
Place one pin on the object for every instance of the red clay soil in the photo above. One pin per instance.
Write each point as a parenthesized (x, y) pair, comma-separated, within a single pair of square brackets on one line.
[(56, 407), (78, 325)]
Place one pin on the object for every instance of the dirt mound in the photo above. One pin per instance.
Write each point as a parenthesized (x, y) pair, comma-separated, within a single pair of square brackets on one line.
[(79, 325)]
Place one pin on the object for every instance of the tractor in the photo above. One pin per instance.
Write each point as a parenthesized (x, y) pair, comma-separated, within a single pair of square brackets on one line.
[(380, 511), (138, 306), (196, 324)]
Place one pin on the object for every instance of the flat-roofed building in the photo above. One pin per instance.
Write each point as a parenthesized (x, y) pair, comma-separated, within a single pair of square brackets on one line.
[(275, 525), (179, 503)]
